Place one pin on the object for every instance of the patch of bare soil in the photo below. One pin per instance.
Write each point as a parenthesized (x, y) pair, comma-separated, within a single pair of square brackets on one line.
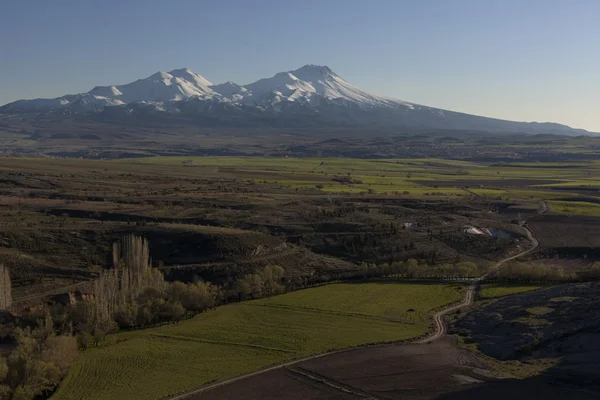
[(567, 236), (385, 372), (440, 370)]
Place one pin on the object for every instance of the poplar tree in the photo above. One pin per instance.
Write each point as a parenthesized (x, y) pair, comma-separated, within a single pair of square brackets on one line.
[(5, 288)]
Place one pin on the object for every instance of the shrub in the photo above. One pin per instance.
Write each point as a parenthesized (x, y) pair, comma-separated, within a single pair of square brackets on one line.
[(60, 351)]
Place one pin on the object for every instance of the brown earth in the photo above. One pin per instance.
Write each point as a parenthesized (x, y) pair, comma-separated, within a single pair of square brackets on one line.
[(568, 237), (566, 231), (440, 370)]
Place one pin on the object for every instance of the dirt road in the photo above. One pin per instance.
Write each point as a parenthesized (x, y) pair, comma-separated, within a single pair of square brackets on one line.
[(439, 317)]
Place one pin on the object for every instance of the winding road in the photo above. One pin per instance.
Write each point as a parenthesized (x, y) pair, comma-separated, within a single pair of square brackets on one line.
[(438, 318)]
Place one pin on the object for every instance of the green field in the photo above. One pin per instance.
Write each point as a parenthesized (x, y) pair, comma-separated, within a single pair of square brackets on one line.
[(239, 338), (415, 178), (493, 290), (575, 208), (408, 177)]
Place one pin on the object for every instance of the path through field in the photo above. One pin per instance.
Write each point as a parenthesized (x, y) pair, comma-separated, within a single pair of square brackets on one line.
[(439, 317)]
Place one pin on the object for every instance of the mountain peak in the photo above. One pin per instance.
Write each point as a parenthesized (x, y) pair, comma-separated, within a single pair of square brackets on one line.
[(178, 71), (191, 76), (312, 69), (160, 76)]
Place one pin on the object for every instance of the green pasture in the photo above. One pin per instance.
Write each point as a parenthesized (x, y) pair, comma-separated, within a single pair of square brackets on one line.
[(493, 290), (575, 208), (401, 177), (239, 338)]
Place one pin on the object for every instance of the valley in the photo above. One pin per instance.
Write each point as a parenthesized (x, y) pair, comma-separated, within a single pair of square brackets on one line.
[(353, 238), (337, 200)]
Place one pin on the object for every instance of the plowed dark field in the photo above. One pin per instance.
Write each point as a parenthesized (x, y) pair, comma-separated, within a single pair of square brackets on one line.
[(435, 371), (567, 236)]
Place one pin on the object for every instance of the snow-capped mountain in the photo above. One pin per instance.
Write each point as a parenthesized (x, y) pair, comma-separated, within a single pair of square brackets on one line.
[(315, 93), (179, 84)]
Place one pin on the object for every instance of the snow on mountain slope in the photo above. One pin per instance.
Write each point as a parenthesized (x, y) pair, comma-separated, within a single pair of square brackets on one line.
[(308, 84), (232, 91), (186, 74), (309, 81), (179, 84), (284, 85), (330, 85), (161, 87), (79, 102), (311, 94)]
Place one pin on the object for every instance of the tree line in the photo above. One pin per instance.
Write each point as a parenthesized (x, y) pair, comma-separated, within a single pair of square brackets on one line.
[(420, 269), (540, 273)]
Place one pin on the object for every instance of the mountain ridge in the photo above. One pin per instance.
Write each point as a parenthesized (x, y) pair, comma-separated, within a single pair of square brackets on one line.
[(313, 92)]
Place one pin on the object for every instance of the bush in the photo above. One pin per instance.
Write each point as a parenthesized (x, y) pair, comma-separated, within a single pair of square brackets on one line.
[(84, 340), (5, 392), (60, 351)]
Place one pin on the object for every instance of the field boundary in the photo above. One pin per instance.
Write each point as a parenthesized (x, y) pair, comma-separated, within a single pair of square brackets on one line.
[(189, 339), (333, 312)]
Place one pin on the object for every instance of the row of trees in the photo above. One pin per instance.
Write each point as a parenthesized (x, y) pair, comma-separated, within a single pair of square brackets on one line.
[(5, 288), (540, 273), (415, 269), (532, 273)]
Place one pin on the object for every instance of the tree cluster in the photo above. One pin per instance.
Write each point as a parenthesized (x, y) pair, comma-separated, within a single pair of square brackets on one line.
[(533, 273), (415, 269), (133, 294), (38, 363), (265, 283)]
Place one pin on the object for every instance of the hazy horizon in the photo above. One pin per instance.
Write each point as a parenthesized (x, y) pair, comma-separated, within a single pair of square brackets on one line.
[(507, 60)]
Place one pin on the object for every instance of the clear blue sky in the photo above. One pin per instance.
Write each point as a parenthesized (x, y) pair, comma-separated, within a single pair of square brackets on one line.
[(514, 59)]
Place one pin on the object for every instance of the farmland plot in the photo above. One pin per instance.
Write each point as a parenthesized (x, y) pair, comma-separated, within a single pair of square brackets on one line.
[(239, 338)]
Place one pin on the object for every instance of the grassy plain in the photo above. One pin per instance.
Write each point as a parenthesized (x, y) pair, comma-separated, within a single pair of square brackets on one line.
[(493, 290), (243, 337), (575, 208), (410, 177)]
